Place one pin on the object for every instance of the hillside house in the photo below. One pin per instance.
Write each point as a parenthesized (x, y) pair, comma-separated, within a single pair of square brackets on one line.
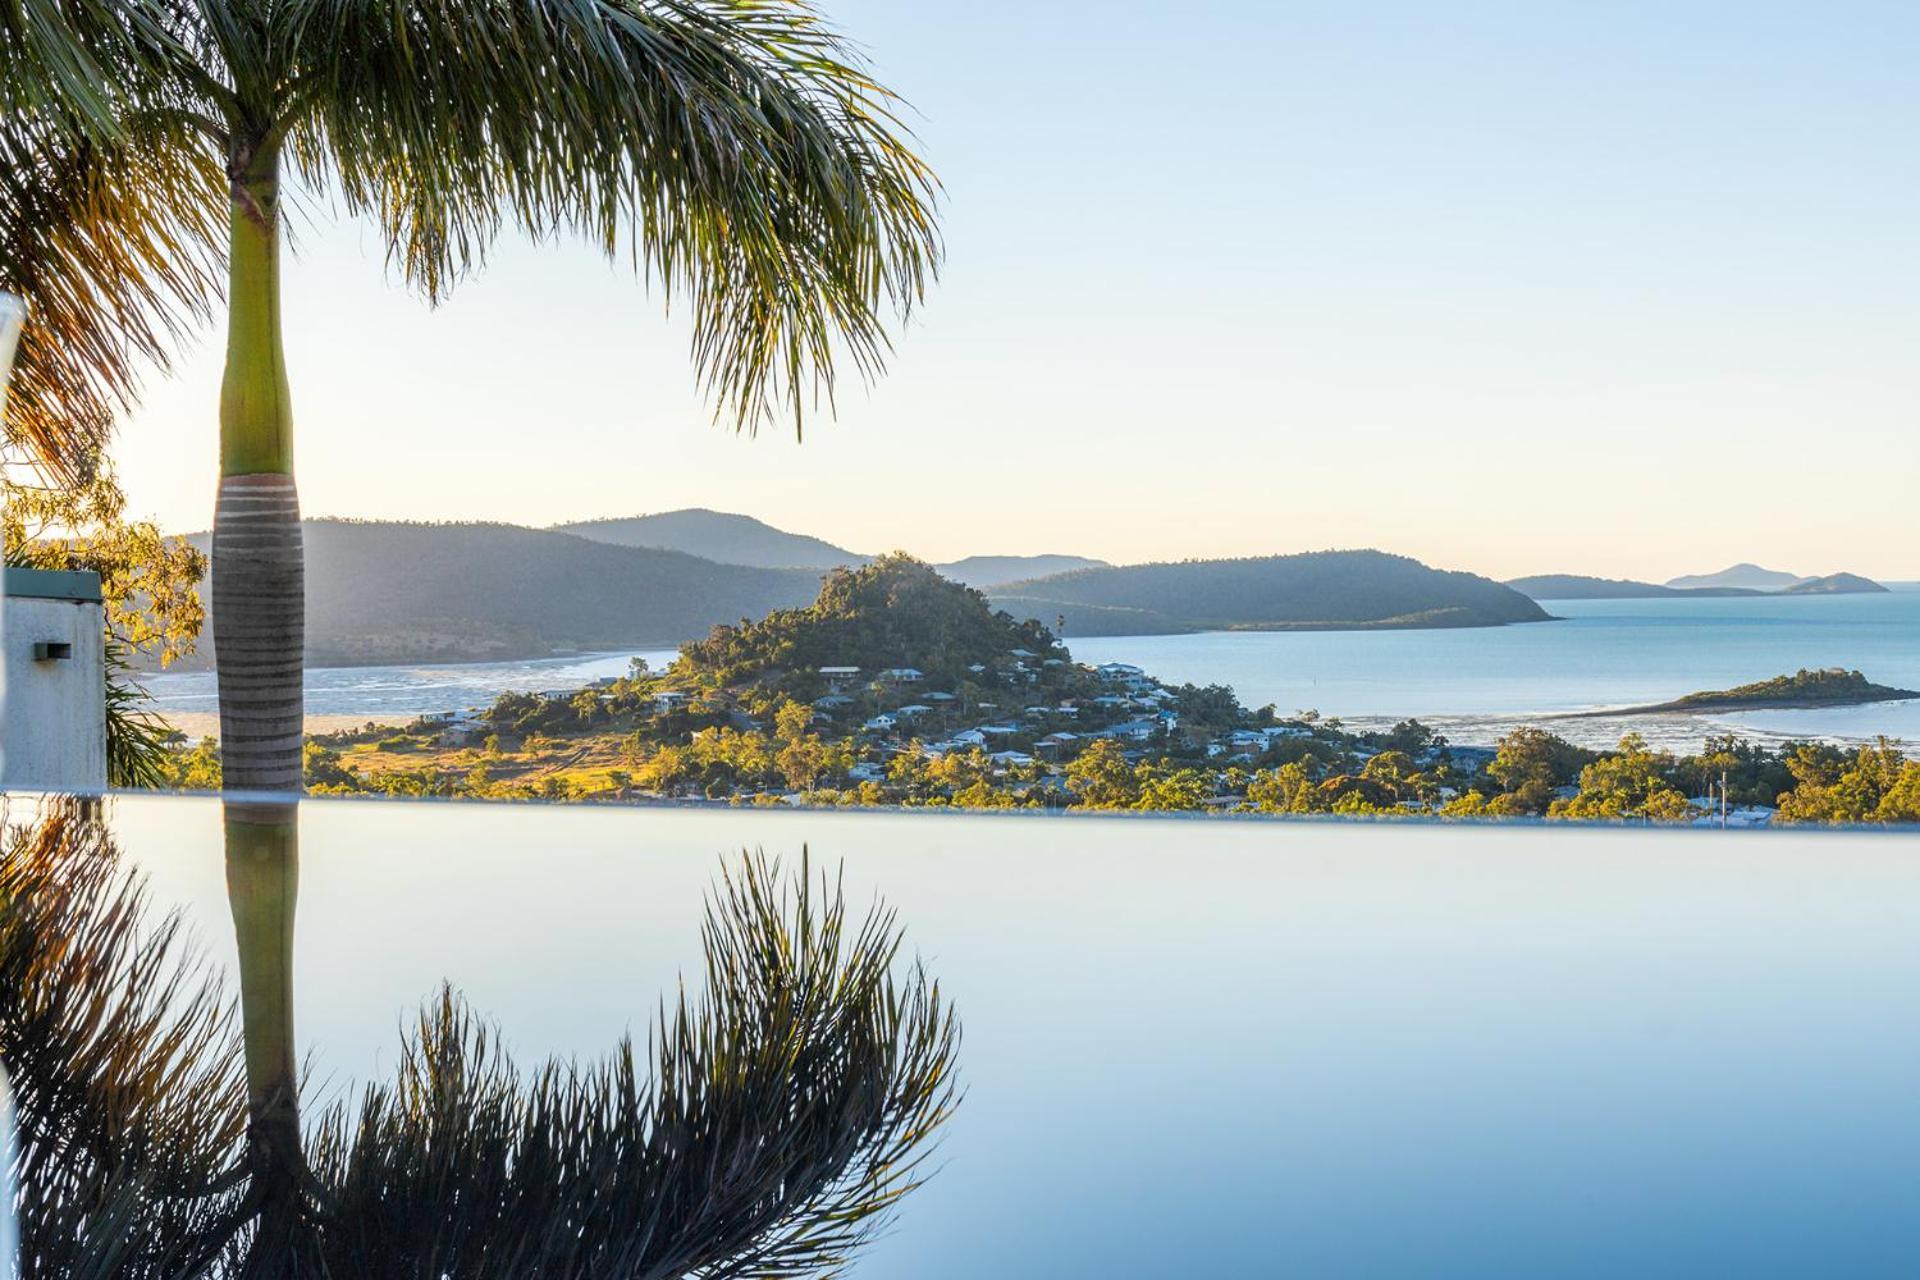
[(901, 675)]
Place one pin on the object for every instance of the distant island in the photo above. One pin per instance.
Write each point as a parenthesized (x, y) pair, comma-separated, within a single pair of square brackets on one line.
[(1835, 584), (1574, 586), (1751, 578), (1830, 687), (1320, 590)]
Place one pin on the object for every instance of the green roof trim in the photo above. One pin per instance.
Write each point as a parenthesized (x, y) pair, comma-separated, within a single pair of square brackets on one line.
[(54, 584)]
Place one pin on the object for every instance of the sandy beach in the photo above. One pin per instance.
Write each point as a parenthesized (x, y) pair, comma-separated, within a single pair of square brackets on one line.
[(206, 724)]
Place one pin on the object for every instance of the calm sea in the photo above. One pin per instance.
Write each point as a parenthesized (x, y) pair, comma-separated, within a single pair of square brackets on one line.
[(1476, 683), (1602, 653)]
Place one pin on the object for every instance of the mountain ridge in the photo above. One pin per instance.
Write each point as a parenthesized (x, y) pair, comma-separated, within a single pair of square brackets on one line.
[(1315, 590)]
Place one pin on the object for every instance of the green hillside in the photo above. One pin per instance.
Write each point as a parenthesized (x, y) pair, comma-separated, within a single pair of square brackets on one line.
[(720, 536), (895, 612), (384, 592), (1315, 590)]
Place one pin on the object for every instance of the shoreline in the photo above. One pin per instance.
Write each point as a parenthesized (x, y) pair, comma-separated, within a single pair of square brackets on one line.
[(1736, 706)]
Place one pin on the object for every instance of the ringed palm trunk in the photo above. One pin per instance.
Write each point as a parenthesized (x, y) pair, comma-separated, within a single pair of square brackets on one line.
[(259, 635), (259, 591), (263, 880)]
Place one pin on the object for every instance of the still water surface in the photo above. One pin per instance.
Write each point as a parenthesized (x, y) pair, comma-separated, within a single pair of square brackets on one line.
[(1228, 1048)]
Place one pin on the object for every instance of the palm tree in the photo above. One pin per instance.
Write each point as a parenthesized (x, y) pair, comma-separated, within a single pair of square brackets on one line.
[(767, 1129), (734, 150)]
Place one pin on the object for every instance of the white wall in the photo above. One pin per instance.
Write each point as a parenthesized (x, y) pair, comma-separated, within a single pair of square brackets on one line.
[(55, 735)]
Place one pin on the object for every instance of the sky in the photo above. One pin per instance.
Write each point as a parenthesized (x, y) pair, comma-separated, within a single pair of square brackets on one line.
[(1544, 286)]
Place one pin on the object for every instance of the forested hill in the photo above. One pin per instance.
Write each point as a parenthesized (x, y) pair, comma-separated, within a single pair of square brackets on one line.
[(730, 538), (895, 612), (720, 536), (1317, 590), (988, 572), (381, 592)]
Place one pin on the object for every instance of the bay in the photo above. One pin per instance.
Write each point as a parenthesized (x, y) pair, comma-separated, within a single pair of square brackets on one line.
[(1475, 684)]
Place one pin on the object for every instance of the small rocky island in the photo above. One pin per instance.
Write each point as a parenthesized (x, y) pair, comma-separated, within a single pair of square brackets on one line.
[(1830, 687)]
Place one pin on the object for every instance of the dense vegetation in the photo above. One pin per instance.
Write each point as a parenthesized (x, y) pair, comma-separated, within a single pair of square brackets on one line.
[(1831, 686), (895, 612), (1317, 589)]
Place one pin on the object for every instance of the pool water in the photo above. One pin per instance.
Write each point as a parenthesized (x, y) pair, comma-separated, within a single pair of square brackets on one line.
[(1224, 1048)]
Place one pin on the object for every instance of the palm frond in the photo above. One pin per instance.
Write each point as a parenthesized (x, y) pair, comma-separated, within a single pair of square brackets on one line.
[(76, 60), (735, 150), (124, 1062), (114, 243), (787, 1111)]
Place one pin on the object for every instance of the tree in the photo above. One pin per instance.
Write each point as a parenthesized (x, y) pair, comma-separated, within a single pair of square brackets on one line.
[(1876, 784), (737, 152), (1529, 764), (1101, 777), (1632, 783)]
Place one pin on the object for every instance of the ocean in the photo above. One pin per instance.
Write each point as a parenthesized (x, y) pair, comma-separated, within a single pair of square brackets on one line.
[(1474, 684)]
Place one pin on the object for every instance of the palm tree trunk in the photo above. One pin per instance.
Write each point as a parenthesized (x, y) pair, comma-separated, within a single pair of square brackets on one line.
[(259, 588), (263, 881)]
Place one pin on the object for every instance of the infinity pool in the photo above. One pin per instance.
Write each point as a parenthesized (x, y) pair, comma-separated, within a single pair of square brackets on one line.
[(1215, 1048)]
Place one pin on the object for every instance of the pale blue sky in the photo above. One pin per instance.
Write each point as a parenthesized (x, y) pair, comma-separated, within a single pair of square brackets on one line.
[(1626, 288)]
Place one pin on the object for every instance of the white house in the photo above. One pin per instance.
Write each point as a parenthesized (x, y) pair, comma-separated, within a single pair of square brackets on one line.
[(902, 675), (55, 733), (969, 738), (669, 700), (1118, 671), (882, 721)]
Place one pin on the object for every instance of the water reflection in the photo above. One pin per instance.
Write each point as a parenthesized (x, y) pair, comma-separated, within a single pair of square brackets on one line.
[(766, 1128)]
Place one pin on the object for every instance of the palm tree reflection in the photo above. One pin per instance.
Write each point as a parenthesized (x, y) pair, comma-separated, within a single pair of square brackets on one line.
[(767, 1127)]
